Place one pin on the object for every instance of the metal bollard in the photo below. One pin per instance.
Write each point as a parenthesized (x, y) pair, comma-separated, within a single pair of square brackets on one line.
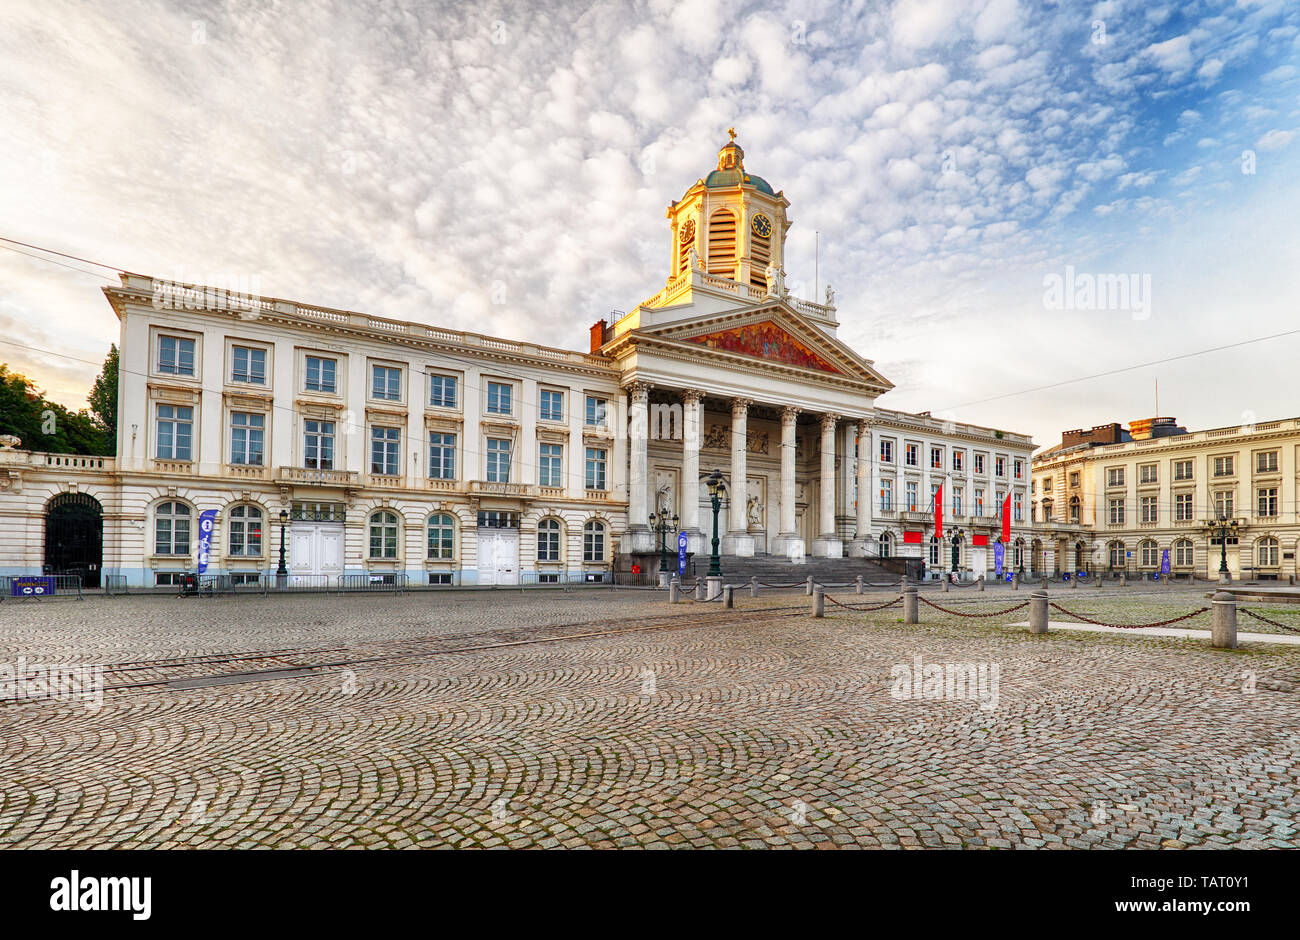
[(1038, 612), (674, 591), (902, 584), (945, 583), (753, 587), (1074, 583), (1223, 628), (699, 591), (809, 588), (981, 582), (1044, 582), (1015, 582), (728, 595), (1123, 579), (859, 584), (910, 605), (819, 602)]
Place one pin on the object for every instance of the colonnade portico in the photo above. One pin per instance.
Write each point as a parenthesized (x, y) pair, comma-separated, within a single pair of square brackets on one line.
[(740, 531)]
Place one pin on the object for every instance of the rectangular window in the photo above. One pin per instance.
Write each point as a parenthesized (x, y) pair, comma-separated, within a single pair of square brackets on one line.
[(1148, 508), (1223, 466), (318, 445), (550, 463), (912, 454), (550, 406), (912, 496), (1000, 466), (956, 500), (442, 456), (498, 460), (1115, 476), (321, 375), (958, 458), (1182, 469), (1147, 473), (248, 364), (247, 434), (499, 399), (886, 495), (385, 383), (442, 391), (595, 412), (595, 468), (175, 433), (979, 502), (1117, 512), (384, 446), (886, 451), (979, 463), (175, 355), (1266, 501), (936, 458), (1223, 503), (1266, 462), (1019, 468), (1074, 479), (1017, 507), (1183, 507)]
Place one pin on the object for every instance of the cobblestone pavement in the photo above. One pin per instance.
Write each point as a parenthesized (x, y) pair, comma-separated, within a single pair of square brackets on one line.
[(614, 719)]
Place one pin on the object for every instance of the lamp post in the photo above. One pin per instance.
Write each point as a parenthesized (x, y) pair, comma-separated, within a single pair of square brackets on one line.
[(956, 551), (660, 522), (716, 489), (282, 573), (1223, 525)]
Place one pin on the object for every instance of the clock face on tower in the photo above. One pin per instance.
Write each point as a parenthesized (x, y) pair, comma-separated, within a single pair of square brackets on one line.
[(762, 226), (687, 232)]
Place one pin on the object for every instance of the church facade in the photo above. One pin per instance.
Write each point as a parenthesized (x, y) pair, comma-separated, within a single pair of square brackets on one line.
[(379, 447)]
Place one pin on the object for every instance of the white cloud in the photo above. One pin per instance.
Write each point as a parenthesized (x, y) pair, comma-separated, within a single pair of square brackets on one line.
[(1275, 140), (1172, 55)]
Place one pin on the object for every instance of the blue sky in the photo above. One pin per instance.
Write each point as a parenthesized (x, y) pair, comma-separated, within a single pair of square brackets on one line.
[(505, 168)]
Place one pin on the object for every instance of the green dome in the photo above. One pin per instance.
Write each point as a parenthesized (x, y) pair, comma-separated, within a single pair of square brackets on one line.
[(720, 179)]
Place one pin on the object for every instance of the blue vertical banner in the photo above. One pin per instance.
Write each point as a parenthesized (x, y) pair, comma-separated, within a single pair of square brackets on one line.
[(207, 519), (1164, 561), (999, 552), (682, 542)]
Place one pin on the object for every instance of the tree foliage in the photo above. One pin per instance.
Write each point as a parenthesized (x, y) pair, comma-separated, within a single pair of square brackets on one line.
[(48, 426)]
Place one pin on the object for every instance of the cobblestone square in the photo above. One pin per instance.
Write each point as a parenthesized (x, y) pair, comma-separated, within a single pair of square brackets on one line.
[(614, 719)]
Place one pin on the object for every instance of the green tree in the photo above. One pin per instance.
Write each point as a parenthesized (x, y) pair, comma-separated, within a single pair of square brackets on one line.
[(103, 399), (45, 425)]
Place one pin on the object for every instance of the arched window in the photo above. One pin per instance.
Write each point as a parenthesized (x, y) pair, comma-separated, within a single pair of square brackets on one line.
[(1184, 553), (442, 536), (593, 541), (1115, 552), (1036, 556), (1047, 510), (1148, 554), (1074, 510), (1266, 552), (1018, 554), (383, 535), (548, 540), (934, 551), (171, 533), (245, 531), (722, 243), (886, 544)]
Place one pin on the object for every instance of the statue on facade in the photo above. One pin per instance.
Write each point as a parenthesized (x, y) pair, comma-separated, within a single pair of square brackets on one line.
[(754, 512), (830, 296), (771, 274), (693, 257)]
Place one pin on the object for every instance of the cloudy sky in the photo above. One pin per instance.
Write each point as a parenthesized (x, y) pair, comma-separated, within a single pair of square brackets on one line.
[(504, 167)]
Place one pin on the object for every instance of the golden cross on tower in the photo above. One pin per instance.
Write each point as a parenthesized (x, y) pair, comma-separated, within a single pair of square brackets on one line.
[(732, 132)]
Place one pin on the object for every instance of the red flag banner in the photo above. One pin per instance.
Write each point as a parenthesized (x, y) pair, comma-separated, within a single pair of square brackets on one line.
[(978, 540), (1006, 520), (912, 538), (938, 512)]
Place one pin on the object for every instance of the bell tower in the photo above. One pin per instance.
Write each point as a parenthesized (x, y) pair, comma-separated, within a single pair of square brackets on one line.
[(733, 222)]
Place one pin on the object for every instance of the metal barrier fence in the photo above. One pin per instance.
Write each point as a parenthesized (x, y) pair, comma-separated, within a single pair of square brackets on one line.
[(67, 585)]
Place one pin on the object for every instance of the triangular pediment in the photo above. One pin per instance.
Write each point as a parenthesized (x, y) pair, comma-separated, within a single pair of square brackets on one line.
[(772, 334)]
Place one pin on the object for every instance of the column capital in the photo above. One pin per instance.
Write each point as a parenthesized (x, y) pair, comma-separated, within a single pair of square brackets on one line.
[(740, 406), (640, 391), (829, 420), (863, 426), (789, 414), (692, 396)]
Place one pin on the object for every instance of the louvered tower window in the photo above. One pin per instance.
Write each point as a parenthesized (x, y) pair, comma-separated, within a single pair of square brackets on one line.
[(760, 256), (722, 243)]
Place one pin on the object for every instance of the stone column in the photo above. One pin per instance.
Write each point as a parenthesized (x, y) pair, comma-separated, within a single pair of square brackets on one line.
[(639, 538), (788, 540), (860, 547), (827, 545), (738, 540), (692, 419)]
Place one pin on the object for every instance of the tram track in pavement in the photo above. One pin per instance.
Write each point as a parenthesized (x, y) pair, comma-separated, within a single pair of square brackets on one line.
[(182, 673)]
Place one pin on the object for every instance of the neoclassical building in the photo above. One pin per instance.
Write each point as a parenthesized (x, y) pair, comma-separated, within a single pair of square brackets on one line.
[(380, 447), (1128, 500)]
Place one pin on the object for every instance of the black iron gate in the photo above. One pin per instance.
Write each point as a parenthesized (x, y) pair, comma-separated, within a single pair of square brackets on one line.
[(74, 537)]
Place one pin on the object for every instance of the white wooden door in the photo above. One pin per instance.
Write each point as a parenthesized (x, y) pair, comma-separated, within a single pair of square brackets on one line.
[(316, 549), (498, 556)]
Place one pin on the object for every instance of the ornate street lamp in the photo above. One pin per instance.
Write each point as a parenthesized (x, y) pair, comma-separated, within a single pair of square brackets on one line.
[(660, 522), (716, 490), (282, 573), (956, 549), (1223, 525)]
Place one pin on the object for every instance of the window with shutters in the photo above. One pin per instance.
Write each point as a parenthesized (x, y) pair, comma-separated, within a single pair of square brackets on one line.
[(722, 244)]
